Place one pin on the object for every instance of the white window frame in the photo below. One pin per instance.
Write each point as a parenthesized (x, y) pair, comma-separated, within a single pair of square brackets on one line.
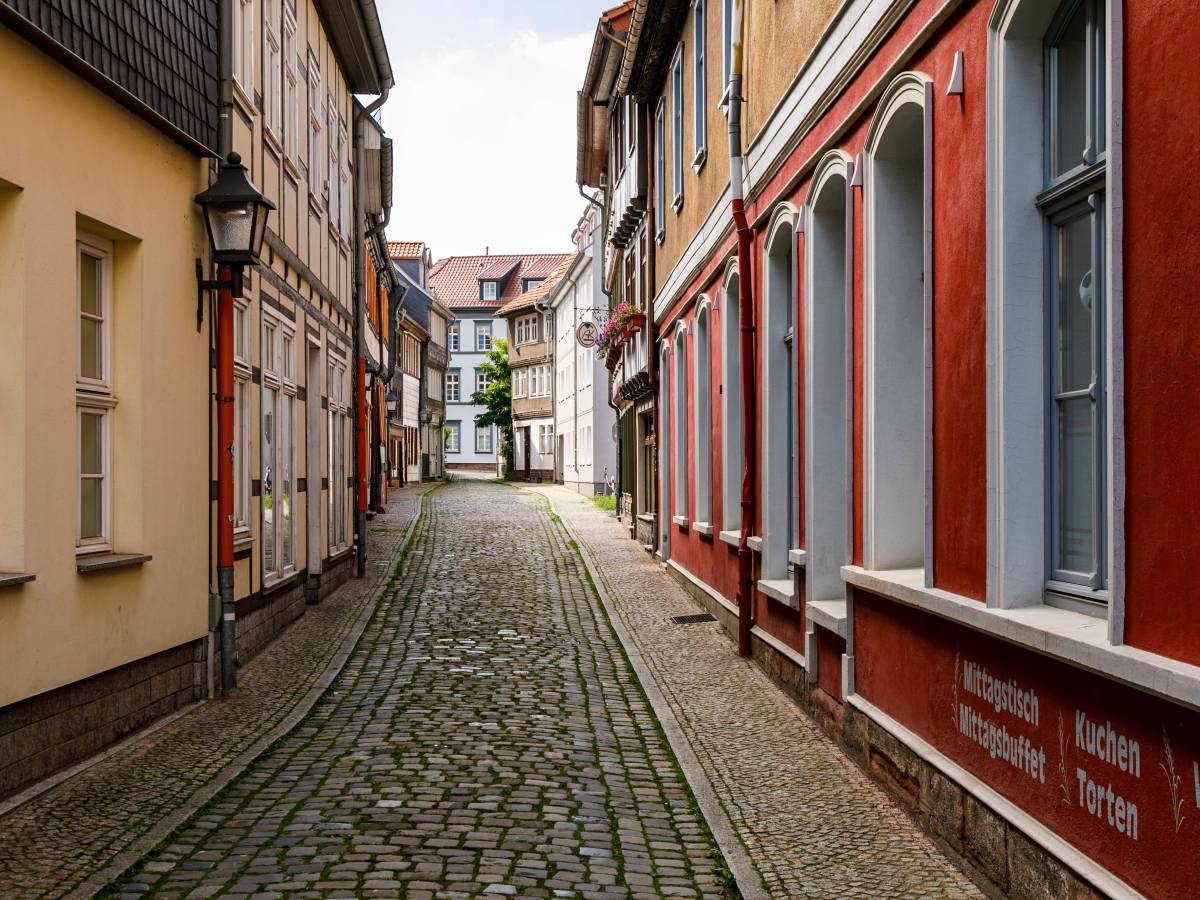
[(242, 442), (316, 165), (333, 187), (453, 336), (679, 420), (520, 383), (526, 329), (453, 386), (482, 382), (272, 71), (345, 219), (1019, 523), (454, 437), (483, 336), (278, 376), (731, 405), (660, 171), (885, 509), (291, 87), (699, 86), (490, 290), (727, 36), (482, 431), (677, 129), (828, 386), (338, 409), (702, 415), (243, 48), (94, 396)]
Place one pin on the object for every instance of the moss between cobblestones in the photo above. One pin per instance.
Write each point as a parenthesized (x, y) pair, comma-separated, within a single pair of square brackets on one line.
[(728, 882), (109, 890)]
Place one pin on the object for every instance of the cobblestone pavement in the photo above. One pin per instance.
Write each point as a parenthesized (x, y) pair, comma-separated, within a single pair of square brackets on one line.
[(813, 823), (92, 826), (486, 737)]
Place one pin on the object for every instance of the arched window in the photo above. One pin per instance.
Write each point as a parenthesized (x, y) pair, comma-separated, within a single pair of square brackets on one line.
[(898, 284), (664, 453), (679, 418), (702, 418), (778, 398), (731, 404), (827, 381), (1053, 339)]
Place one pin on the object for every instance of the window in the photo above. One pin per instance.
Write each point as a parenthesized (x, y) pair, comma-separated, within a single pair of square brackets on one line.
[(278, 413), (452, 386), (895, 194), (345, 222), (1073, 207), (452, 336), (527, 329), (827, 381), (483, 336), (545, 439), (482, 382), (679, 467), (272, 67), (433, 382), (483, 438), (332, 180), (660, 170), (528, 284), (338, 435), (243, 47), (489, 290), (727, 36), (677, 129), (703, 415), (453, 437), (700, 86), (94, 398), (520, 383), (241, 418), (316, 165), (291, 97), (778, 446), (539, 381)]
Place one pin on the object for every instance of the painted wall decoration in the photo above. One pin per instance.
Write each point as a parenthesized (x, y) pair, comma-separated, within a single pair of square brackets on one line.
[(1112, 770)]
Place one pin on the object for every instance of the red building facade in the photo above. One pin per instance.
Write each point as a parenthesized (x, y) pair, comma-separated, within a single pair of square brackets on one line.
[(973, 536)]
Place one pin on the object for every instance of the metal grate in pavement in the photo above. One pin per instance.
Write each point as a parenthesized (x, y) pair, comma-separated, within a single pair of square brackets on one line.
[(694, 619)]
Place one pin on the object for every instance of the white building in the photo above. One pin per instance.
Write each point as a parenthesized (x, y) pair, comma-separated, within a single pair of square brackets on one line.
[(583, 418), (474, 288)]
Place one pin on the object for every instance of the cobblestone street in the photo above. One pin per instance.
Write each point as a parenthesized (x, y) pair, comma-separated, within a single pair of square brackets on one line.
[(486, 736)]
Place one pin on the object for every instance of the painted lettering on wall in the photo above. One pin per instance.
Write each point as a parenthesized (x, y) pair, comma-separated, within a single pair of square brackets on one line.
[(1005, 698)]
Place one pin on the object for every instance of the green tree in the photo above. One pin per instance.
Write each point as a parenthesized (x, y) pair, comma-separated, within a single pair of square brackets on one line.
[(497, 398)]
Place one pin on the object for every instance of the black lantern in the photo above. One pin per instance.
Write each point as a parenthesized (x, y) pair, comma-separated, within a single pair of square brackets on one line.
[(235, 214)]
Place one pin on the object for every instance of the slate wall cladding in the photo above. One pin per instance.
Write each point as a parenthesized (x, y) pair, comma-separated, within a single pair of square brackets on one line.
[(162, 52)]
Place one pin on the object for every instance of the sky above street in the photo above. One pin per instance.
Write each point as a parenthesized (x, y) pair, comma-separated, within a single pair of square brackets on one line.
[(483, 119)]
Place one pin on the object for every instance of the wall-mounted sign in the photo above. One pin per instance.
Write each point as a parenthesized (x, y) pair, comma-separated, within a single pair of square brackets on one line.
[(585, 334)]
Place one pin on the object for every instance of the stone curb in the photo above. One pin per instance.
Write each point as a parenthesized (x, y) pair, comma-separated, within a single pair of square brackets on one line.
[(736, 857), (135, 851)]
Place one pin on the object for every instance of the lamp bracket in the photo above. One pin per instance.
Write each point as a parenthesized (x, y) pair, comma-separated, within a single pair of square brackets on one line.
[(233, 285)]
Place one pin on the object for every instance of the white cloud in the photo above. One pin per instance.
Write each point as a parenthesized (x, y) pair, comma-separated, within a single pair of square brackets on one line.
[(484, 132)]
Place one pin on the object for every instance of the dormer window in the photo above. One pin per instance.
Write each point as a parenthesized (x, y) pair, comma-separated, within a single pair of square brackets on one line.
[(489, 290), (528, 284)]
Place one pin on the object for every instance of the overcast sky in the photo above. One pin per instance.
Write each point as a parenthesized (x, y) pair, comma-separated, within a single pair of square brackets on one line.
[(483, 119)]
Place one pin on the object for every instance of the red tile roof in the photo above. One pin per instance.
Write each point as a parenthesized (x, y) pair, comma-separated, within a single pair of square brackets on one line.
[(533, 295), (455, 279), (406, 249)]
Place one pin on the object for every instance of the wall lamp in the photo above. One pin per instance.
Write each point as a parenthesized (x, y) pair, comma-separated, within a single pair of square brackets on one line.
[(235, 216)]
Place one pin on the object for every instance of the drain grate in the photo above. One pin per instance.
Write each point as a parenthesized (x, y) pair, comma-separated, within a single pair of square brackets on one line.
[(694, 619)]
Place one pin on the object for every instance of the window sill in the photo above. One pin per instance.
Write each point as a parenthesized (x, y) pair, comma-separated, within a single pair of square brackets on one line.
[(754, 542), (101, 561), (829, 614), (781, 589), (1071, 637), (798, 558), (733, 538), (681, 521), (13, 579), (242, 539), (704, 528), (243, 99), (677, 203), (699, 159)]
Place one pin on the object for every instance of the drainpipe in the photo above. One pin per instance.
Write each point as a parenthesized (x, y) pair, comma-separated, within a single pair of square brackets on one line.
[(224, 395), (745, 585), (360, 342)]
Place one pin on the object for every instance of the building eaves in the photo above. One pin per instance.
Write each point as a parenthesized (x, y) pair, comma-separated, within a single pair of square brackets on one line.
[(356, 34)]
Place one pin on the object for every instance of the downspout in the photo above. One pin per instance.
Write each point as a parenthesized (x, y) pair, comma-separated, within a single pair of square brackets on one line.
[(360, 350), (745, 584), (224, 393)]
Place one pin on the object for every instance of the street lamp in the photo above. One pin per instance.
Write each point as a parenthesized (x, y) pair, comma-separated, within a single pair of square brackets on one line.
[(235, 216)]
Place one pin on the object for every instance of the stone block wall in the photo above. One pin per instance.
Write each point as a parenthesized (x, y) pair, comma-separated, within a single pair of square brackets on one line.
[(43, 734)]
